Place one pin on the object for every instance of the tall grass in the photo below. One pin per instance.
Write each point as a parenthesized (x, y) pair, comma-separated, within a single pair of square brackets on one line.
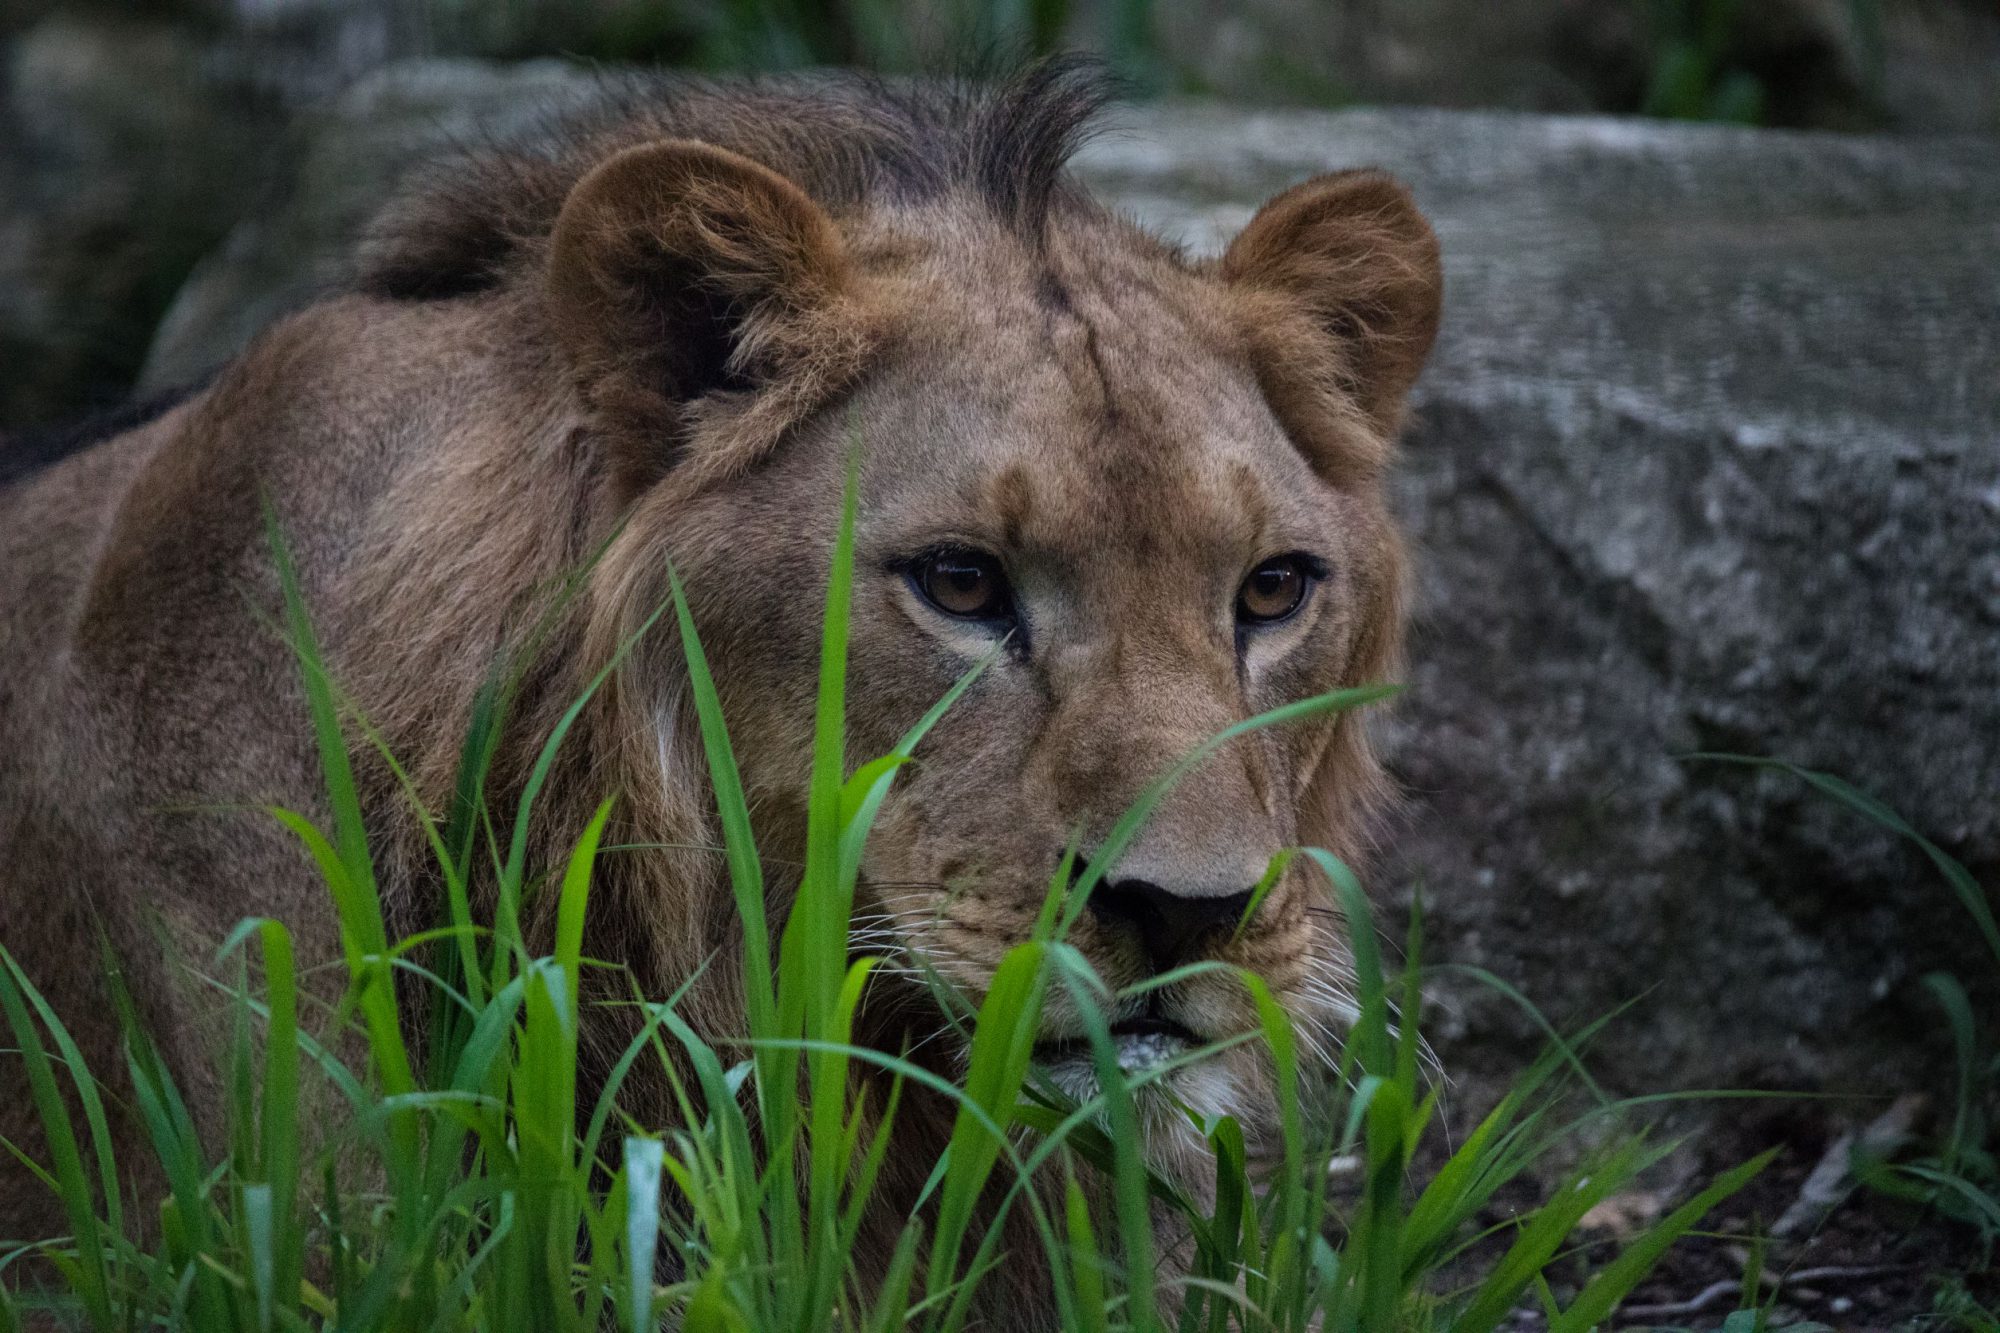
[(475, 1184)]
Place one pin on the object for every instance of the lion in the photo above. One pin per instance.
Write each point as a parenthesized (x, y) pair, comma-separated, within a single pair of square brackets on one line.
[(1147, 489)]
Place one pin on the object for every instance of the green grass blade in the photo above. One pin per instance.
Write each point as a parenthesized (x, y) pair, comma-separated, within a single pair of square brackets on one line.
[(1957, 1006), (1221, 1245), (361, 917), (607, 1098), (1371, 1027), (1132, 1205), (570, 906), (87, 1274), (1962, 883), (1274, 871), (821, 912), (1128, 825), (1543, 1232), (1380, 1269), (642, 1226), (93, 1108), (892, 1301), (1086, 1260), (279, 1145), (746, 874), (259, 1224), (337, 770), (1615, 1280), (357, 899), (1408, 1039), (1568, 1047), (1002, 1045), (868, 786), (178, 1149)]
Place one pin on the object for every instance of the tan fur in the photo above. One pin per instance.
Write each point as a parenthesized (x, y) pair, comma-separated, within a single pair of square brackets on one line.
[(657, 359)]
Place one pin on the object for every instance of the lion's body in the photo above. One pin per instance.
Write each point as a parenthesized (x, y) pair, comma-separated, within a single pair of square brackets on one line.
[(142, 684), (485, 411)]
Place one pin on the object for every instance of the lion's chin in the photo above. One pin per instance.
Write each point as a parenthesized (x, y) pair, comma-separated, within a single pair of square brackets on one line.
[(1141, 1045), (1173, 1104), (1168, 1089)]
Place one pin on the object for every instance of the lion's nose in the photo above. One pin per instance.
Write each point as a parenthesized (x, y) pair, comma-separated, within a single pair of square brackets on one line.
[(1171, 926)]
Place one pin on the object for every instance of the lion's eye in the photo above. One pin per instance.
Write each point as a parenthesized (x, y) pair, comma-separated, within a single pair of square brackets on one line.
[(968, 584), (1274, 590)]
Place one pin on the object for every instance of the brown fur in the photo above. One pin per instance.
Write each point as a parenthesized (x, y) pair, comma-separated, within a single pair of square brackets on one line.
[(645, 337)]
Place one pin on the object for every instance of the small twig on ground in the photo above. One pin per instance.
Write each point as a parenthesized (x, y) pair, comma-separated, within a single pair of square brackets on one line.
[(1712, 1294), (1841, 1272)]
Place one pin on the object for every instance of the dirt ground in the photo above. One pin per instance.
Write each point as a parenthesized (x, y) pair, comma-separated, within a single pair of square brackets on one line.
[(1871, 1263)]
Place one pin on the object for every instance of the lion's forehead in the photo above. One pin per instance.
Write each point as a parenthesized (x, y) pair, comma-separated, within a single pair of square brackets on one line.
[(1072, 410)]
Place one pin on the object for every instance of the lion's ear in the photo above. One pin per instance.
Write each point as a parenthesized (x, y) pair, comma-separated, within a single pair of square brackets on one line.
[(676, 270), (1352, 250)]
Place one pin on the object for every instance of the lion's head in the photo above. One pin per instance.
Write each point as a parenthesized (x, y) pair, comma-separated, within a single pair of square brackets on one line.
[(1148, 487)]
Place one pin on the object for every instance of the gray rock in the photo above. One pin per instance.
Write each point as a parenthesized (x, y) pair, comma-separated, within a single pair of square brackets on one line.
[(346, 158), (1708, 458), (126, 152)]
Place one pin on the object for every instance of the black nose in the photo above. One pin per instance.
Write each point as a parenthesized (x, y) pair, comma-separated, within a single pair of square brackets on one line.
[(1170, 925)]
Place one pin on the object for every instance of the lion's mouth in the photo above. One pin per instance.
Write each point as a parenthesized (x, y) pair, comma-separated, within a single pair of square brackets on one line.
[(1141, 1043)]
